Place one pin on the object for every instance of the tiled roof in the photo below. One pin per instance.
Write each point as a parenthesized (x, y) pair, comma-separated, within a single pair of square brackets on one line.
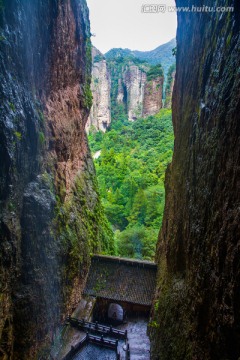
[(121, 279)]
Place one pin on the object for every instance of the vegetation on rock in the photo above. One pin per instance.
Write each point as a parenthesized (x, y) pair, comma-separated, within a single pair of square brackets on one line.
[(169, 77), (154, 72), (169, 86)]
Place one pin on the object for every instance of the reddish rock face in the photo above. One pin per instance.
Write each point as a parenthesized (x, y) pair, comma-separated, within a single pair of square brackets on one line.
[(152, 99), (132, 91), (50, 212), (197, 313), (66, 102)]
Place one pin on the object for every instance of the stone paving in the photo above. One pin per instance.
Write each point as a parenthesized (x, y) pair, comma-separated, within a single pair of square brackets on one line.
[(137, 337), (93, 352)]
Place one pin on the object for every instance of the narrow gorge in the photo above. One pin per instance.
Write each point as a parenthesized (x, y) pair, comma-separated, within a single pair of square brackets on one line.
[(83, 272)]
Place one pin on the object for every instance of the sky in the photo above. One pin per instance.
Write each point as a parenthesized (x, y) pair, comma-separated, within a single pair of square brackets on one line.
[(121, 23)]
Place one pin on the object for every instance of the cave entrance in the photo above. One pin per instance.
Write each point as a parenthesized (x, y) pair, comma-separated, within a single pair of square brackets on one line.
[(108, 312), (115, 312)]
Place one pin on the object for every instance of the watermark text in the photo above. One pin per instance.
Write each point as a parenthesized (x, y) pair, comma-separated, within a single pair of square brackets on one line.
[(162, 8)]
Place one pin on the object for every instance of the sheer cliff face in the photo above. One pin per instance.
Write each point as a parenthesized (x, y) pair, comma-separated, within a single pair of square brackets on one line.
[(100, 115), (140, 96), (50, 214), (169, 90), (196, 311), (152, 99), (120, 86), (134, 81)]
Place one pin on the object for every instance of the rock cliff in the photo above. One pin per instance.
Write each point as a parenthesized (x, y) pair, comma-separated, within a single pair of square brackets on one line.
[(152, 98), (121, 87), (50, 214), (133, 81), (100, 115), (196, 313), (169, 86), (134, 93)]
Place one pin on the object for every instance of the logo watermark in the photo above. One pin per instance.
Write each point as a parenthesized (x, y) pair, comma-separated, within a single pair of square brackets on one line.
[(162, 8), (154, 8)]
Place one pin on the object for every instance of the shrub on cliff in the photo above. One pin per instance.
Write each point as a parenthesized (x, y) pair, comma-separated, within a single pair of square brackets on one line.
[(154, 72)]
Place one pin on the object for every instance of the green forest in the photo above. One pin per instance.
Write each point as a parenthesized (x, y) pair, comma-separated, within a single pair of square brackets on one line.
[(130, 171)]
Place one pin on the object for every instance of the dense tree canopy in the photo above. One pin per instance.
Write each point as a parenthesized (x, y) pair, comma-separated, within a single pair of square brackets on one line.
[(130, 171)]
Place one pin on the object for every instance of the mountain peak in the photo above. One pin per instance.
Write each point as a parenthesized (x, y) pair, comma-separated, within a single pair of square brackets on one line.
[(162, 54)]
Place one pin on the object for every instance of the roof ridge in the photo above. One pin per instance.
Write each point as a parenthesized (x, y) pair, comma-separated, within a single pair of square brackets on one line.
[(124, 260)]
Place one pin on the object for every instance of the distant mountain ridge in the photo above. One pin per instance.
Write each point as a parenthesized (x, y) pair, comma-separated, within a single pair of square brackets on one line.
[(162, 54)]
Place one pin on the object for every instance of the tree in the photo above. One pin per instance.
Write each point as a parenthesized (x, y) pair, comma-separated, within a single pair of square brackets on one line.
[(130, 172)]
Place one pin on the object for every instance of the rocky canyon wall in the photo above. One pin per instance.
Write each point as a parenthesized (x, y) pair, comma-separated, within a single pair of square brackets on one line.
[(196, 312), (169, 87), (100, 115), (51, 218), (152, 99), (120, 87), (133, 82), (131, 89)]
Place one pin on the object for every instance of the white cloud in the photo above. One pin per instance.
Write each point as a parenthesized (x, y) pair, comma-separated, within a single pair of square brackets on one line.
[(120, 23)]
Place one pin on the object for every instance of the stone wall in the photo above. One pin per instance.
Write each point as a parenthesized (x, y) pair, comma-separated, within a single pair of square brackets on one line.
[(51, 218), (196, 314)]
